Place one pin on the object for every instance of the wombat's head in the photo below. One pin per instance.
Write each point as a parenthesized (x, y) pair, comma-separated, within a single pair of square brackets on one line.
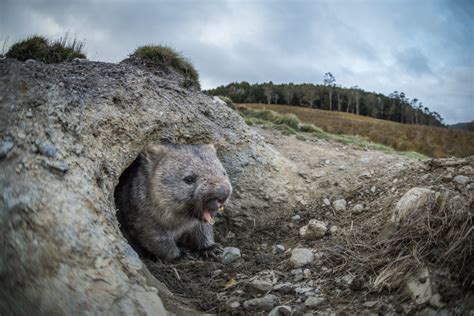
[(187, 181)]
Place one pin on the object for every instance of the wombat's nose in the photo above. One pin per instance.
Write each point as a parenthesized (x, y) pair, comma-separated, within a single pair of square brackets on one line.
[(220, 194)]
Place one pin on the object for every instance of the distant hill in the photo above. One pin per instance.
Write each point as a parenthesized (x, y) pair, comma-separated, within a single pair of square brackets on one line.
[(396, 107), (469, 126), (432, 141)]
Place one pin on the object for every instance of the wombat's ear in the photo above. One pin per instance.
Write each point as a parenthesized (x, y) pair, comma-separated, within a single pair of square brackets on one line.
[(154, 153)]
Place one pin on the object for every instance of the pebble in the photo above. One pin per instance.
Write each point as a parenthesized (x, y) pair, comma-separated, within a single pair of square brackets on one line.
[(267, 302), (370, 304), (260, 285), (58, 165), (358, 208), (373, 189), (301, 257), (295, 218), (283, 287), (307, 273), (339, 205), (314, 230), (333, 230), (47, 149), (282, 310), (230, 254), (278, 248), (314, 301), (303, 290), (326, 202), (460, 179), (5, 147)]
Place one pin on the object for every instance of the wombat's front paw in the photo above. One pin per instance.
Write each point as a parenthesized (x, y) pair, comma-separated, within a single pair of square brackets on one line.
[(211, 251)]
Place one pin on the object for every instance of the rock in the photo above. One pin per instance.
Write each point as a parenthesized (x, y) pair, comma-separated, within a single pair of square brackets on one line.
[(282, 310), (373, 189), (283, 287), (295, 218), (30, 61), (301, 257), (5, 147), (266, 303), (314, 230), (60, 165), (314, 301), (460, 179), (370, 304), (278, 248), (418, 287), (357, 209), (339, 205), (306, 273), (230, 254), (326, 202), (47, 149), (341, 168), (466, 171), (303, 290), (260, 285), (436, 301), (364, 160), (413, 200), (333, 230)]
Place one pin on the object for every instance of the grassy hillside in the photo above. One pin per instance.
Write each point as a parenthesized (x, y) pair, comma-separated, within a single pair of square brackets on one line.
[(431, 141)]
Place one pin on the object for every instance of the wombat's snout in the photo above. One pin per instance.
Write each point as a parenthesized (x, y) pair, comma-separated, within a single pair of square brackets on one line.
[(216, 198)]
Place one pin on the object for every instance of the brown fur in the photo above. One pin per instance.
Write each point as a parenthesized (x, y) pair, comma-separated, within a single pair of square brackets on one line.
[(163, 195)]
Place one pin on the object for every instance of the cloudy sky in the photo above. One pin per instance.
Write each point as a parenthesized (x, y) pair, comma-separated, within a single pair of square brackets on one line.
[(424, 48)]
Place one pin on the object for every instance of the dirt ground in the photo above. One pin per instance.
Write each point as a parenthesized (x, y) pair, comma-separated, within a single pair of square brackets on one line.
[(332, 171)]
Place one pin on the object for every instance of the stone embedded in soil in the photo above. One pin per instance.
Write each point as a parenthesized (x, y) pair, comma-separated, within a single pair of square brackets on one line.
[(419, 287), (283, 287), (46, 149), (230, 254), (282, 310), (357, 209), (460, 179), (278, 248), (266, 303), (5, 147), (333, 230), (339, 205), (412, 201), (301, 257), (58, 165), (326, 202), (370, 304), (314, 301), (295, 218), (260, 285), (314, 230)]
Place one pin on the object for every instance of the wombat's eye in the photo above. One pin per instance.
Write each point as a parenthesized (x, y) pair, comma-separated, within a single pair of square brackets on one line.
[(190, 179)]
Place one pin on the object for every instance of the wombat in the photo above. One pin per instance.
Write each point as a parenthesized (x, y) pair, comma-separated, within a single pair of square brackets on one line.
[(168, 197)]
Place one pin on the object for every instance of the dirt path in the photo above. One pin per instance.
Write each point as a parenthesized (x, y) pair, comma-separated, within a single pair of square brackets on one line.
[(370, 183)]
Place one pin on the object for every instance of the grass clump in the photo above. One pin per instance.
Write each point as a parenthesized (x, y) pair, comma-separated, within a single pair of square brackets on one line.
[(289, 124), (163, 56), (41, 49)]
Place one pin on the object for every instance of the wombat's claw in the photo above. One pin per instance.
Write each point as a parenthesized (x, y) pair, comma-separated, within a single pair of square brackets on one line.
[(212, 251)]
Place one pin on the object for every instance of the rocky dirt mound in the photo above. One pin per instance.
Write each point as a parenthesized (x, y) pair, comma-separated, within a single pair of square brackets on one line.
[(67, 131), (388, 235)]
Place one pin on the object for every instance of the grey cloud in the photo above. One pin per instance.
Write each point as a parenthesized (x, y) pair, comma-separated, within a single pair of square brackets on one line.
[(411, 46)]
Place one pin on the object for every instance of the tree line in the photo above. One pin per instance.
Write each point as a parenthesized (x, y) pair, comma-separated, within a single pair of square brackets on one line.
[(330, 96)]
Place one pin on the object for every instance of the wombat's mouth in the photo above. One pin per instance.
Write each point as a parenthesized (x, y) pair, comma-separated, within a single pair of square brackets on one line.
[(210, 211)]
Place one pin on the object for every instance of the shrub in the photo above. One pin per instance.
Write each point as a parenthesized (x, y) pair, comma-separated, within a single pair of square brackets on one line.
[(40, 49), (163, 56)]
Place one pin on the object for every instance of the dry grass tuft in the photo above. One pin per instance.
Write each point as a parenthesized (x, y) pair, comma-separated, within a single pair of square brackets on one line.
[(438, 236)]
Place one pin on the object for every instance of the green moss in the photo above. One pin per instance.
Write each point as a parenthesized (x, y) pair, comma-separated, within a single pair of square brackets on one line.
[(159, 56), (40, 49)]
